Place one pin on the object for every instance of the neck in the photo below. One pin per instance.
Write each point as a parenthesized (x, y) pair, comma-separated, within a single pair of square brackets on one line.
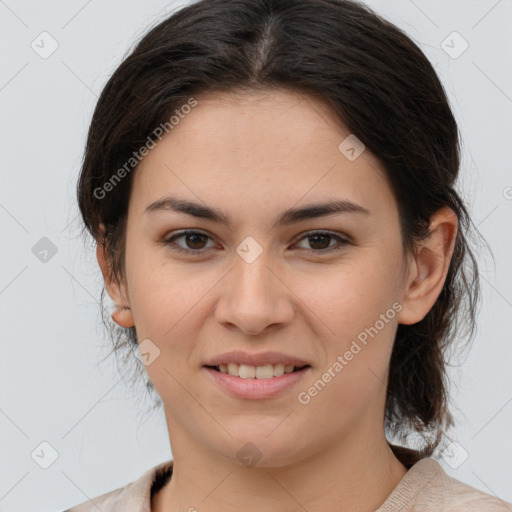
[(345, 477)]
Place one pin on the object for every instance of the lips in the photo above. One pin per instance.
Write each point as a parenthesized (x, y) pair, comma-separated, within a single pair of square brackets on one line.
[(255, 388), (256, 359)]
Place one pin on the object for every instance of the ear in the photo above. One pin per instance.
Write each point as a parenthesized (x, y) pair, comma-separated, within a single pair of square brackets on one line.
[(429, 269), (122, 315)]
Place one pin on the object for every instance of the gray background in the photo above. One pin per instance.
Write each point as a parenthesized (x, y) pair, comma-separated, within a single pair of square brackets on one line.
[(54, 386)]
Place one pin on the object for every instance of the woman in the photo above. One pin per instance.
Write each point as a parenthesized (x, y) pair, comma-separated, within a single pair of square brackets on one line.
[(270, 185)]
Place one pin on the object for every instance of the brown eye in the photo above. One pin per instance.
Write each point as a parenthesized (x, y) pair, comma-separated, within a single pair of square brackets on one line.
[(320, 242), (194, 242)]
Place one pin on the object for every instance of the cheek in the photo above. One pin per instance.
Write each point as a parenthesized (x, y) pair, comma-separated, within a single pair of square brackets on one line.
[(161, 293), (351, 296), (356, 313), (171, 307), (356, 346)]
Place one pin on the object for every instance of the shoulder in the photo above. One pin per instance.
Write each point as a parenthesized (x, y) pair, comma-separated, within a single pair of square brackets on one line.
[(461, 496), (132, 497), (427, 487), (105, 502)]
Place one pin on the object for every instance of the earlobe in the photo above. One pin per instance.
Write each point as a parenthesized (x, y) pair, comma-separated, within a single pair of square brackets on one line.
[(123, 316), (430, 268)]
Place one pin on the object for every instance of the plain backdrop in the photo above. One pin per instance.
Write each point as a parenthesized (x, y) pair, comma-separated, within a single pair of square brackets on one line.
[(55, 390)]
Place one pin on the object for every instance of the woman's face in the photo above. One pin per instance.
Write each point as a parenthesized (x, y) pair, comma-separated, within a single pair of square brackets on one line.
[(323, 288)]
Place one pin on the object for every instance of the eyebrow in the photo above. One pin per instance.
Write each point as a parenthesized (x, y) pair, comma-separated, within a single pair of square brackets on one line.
[(293, 215)]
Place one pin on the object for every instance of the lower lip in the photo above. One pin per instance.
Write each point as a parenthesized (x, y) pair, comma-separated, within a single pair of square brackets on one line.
[(254, 389)]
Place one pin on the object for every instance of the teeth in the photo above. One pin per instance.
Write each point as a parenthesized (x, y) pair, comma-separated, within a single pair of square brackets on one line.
[(247, 371)]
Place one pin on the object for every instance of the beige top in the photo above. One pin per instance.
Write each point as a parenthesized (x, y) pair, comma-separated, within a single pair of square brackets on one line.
[(426, 487)]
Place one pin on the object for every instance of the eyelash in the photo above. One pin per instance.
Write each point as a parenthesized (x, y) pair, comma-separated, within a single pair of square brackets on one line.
[(170, 242)]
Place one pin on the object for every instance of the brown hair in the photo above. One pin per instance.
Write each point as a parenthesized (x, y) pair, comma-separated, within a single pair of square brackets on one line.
[(379, 83)]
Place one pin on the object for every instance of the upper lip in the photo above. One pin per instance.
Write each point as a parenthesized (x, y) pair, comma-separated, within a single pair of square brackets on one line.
[(260, 359)]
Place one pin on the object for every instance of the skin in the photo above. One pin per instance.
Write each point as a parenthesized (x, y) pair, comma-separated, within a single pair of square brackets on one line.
[(254, 155)]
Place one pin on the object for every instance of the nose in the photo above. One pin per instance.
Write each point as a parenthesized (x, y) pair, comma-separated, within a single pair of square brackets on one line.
[(254, 297)]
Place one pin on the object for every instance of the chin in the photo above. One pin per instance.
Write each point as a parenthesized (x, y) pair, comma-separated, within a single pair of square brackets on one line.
[(267, 448)]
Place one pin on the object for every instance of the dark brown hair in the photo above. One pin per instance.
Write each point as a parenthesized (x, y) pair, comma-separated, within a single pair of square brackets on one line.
[(382, 87)]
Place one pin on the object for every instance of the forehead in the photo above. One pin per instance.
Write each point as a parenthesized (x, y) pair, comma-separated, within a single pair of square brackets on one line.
[(268, 146)]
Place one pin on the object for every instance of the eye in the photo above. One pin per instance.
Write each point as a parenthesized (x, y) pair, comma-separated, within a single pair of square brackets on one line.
[(194, 240), (320, 241)]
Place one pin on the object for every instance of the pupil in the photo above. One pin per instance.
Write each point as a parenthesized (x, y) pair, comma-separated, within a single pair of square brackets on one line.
[(192, 237), (317, 237)]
